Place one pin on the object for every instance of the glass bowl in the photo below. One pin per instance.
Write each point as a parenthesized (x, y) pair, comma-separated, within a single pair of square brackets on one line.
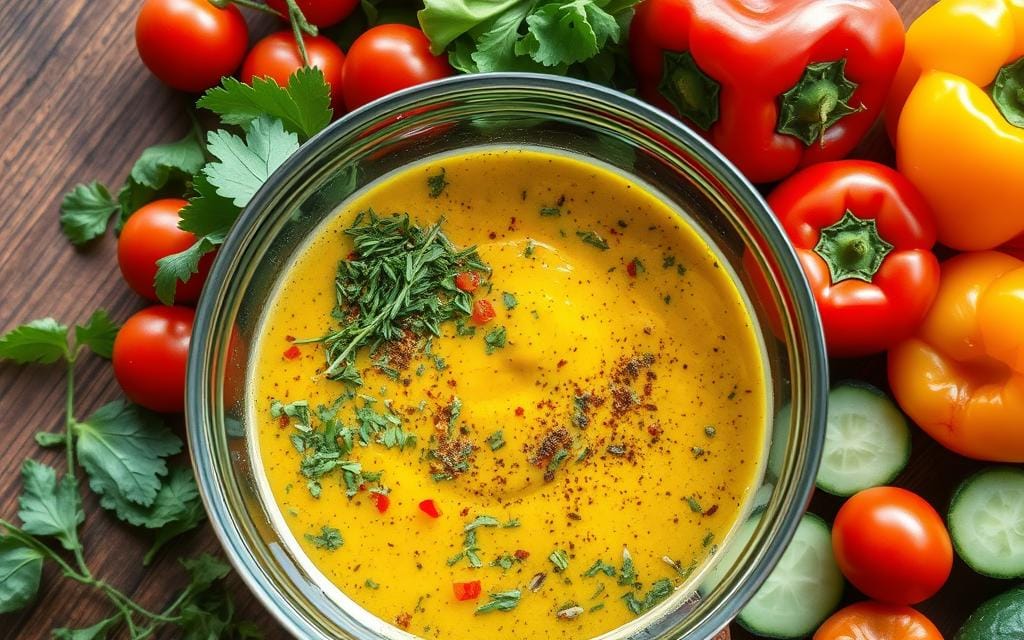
[(499, 109)]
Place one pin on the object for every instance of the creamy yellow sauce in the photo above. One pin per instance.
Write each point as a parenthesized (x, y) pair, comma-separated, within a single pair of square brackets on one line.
[(665, 348)]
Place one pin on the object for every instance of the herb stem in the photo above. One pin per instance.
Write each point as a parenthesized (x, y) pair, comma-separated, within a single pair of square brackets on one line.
[(257, 6), (31, 541), (299, 26)]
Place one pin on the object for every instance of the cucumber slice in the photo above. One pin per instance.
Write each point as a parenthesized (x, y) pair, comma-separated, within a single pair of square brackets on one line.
[(803, 589), (1001, 618), (867, 442), (986, 522)]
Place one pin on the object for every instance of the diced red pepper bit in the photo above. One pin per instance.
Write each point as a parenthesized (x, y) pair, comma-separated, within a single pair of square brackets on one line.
[(464, 512), (362, 487), (403, 620), (467, 590), (381, 500), (352, 256), (429, 507), (283, 421), (562, 363), (520, 411), (521, 554), (292, 352), (483, 312), (289, 338), (467, 281), (631, 268)]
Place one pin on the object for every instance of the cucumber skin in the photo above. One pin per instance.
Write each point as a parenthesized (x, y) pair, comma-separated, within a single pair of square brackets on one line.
[(1001, 618), (956, 539)]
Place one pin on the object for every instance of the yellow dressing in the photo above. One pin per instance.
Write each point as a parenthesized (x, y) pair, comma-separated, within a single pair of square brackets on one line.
[(665, 348)]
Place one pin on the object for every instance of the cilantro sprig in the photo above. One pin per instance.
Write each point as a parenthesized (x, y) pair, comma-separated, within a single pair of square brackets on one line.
[(123, 450)]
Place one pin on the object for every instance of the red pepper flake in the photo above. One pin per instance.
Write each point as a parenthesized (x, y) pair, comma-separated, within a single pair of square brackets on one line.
[(289, 338), (655, 430), (483, 312), (466, 590), (614, 231), (562, 363), (381, 501), (292, 352), (492, 235), (520, 411), (712, 510), (631, 268), (352, 255), (467, 281), (429, 507), (403, 620), (521, 554), (283, 421), (362, 487), (464, 512)]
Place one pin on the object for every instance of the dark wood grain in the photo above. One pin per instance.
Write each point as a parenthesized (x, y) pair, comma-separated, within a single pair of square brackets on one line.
[(78, 105)]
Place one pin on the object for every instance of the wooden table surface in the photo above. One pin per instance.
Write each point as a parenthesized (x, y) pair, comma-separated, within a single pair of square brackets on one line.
[(77, 104)]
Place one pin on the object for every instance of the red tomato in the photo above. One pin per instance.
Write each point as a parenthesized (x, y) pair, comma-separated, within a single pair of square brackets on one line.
[(466, 590), (467, 281), (152, 233), (381, 501), (429, 507), (150, 353), (892, 545), (388, 58), (483, 312), (877, 621), (322, 13), (190, 44), (277, 56)]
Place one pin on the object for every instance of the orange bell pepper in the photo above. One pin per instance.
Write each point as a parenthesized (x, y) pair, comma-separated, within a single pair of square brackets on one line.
[(956, 116), (961, 378)]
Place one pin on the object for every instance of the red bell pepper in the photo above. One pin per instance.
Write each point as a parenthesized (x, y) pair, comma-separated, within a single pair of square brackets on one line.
[(864, 235), (466, 590), (774, 84)]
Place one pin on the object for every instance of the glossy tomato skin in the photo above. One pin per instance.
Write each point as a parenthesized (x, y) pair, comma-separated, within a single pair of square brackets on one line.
[(150, 353), (277, 56), (152, 233), (877, 621), (892, 545), (190, 44), (388, 58), (322, 13)]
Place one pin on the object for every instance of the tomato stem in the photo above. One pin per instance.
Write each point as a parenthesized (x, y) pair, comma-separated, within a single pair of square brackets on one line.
[(299, 26), (852, 248)]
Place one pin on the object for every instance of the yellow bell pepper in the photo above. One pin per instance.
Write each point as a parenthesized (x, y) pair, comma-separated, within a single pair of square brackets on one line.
[(956, 116), (961, 378)]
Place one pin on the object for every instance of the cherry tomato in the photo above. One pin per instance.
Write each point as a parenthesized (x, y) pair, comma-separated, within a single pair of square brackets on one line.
[(152, 233), (466, 590), (483, 312), (892, 545), (467, 281), (150, 353), (322, 13), (877, 621), (277, 56), (388, 58), (190, 44), (381, 501), (429, 507)]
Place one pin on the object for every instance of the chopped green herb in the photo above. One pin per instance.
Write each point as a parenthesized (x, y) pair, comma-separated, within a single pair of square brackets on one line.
[(684, 573), (496, 440), (710, 431), (550, 211), (694, 505), (596, 607), (667, 299), (329, 538), (638, 266), (530, 248), (627, 575), (509, 299), (502, 601), (659, 591), (437, 184), (370, 584), (616, 450), (668, 261), (421, 369), (439, 363), (697, 451), (622, 224), (600, 566), (708, 539), (506, 561), (560, 559), (680, 269), (482, 521), (511, 524), (463, 328), (535, 314), (581, 410), (598, 591), (494, 339), (593, 239)]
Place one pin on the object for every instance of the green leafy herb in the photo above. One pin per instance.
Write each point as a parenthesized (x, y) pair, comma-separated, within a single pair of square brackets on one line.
[(20, 569), (181, 266), (694, 504), (482, 521), (242, 166), (496, 440), (44, 341), (463, 328), (560, 559), (659, 591), (494, 339), (370, 584), (436, 184), (85, 212), (501, 601), (710, 431), (49, 507), (160, 168), (98, 334), (531, 246), (329, 538), (509, 299), (550, 211), (402, 280), (668, 261), (708, 539), (600, 566), (303, 106), (627, 574), (593, 239)]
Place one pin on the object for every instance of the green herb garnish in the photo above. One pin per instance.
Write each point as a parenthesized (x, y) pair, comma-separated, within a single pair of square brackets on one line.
[(560, 559), (437, 184), (502, 601), (627, 574), (496, 440), (600, 566), (710, 431), (494, 339), (370, 584), (329, 538), (593, 239), (694, 504), (509, 299), (659, 591), (550, 211)]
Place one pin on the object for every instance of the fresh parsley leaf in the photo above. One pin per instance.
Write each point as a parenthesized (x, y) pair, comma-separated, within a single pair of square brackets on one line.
[(495, 339), (179, 267), (600, 566), (550, 212), (85, 212), (204, 570), (98, 334), (482, 521), (43, 340), (160, 166), (561, 33), (329, 538), (243, 166), (593, 239), (627, 575), (97, 631), (659, 591), (496, 440), (509, 299), (20, 569), (437, 184), (122, 448), (190, 514), (502, 601), (495, 48), (694, 504), (208, 213), (445, 20), (303, 106), (49, 507)]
